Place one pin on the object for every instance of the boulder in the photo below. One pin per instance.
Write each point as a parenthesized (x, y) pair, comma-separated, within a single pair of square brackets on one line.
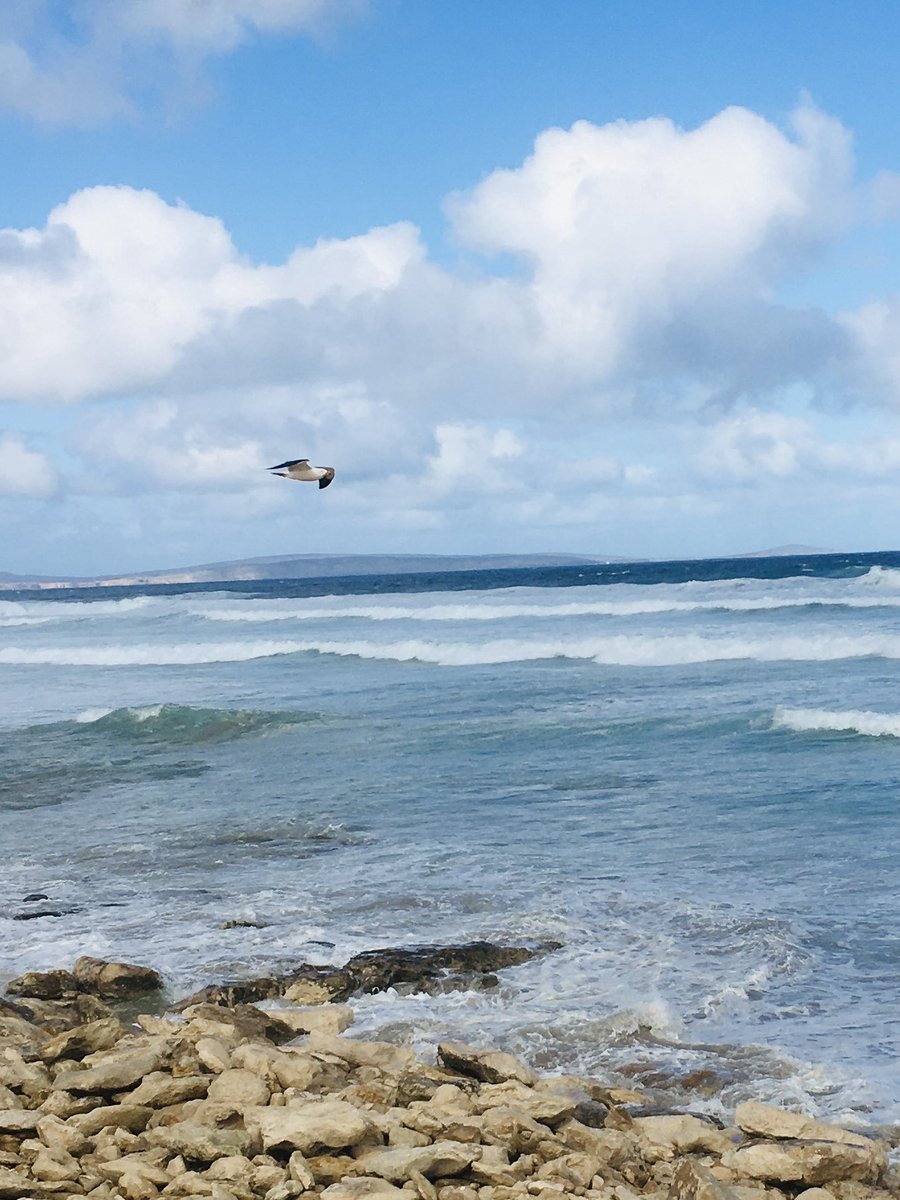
[(490, 1066), (434, 1161), (322, 1018), (238, 1088), (22, 1122), (117, 1071), (666, 1136), (384, 1055), (307, 1127), (201, 1143), (83, 1039), (114, 980), (43, 985), (764, 1120), (363, 1188), (132, 1117), (161, 1090), (693, 1181), (809, 1162)]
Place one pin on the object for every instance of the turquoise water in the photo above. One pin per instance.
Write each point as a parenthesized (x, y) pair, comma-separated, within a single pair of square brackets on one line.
[(685, 772)]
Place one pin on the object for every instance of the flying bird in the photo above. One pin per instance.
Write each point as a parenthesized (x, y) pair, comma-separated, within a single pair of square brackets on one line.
[(299, 469)]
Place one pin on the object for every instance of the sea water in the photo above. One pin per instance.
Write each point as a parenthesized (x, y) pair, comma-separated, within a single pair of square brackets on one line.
[(685, 773)]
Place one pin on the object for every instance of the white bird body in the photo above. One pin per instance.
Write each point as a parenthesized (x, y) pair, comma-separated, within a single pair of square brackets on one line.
[(299, 469)]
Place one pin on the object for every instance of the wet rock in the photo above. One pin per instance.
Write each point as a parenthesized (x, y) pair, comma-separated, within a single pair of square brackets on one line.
[(43, 985), (241, 1021), (419, 968), (114, 980), (490, 1066)]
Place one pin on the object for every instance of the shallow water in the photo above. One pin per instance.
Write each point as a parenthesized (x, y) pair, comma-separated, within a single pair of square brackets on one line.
[(686, 773)]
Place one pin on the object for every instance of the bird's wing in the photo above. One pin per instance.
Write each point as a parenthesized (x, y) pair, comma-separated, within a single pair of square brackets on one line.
[(291, 462), (326, 478)]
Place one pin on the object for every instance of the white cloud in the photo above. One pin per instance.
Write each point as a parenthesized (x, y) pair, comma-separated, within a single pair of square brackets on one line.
[(24, 472), (90, 70), (631, 226), (118, 284), (644, 286)]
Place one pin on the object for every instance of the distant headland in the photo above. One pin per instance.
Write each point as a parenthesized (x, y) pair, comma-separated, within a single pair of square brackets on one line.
[(324, 566)]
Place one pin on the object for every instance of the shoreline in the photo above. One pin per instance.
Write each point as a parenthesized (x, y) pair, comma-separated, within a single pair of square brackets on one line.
[(102, 1097)]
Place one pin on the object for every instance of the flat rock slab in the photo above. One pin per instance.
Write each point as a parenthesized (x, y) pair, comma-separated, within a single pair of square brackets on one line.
[(490, 1066), (809, 1162), (407, 968), (117, 1074), (435, 1161), (333, 1124)]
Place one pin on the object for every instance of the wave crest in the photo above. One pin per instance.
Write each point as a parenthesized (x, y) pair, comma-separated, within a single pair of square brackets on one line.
[(185, 725), (815, 720)]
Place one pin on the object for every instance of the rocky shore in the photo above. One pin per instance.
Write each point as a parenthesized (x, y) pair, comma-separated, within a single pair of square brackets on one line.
[(219, 1098)]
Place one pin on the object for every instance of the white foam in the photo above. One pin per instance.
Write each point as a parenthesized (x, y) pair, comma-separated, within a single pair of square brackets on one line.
[(811, 720), (618, 650)]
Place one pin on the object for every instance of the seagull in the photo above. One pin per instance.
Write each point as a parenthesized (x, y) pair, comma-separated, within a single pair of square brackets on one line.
[(299, 469)]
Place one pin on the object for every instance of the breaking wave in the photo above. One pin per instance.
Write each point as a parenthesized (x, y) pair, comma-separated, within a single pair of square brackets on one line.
[(814, 720), (618, 650), (185, 725)]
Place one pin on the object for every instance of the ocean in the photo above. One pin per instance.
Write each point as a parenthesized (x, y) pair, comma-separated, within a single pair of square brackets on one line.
[(686, 773)]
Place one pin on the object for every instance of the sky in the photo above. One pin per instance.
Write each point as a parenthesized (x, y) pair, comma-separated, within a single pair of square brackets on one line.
[(590, 276)]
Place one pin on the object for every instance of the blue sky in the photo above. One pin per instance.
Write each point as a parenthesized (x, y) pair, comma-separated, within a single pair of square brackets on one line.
[(598, 277)]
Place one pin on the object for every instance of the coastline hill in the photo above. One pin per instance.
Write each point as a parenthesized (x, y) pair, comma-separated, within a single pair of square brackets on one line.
[(314, 566)]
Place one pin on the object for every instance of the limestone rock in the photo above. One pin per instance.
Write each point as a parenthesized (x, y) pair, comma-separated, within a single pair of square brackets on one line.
[(490, 1066), (322, 1018), (306, 1127), (693, 1181), (133, 1117), (212, 1054), (114, 980), (434, 1161), (201, 1143), (19, 1121), (809, 1162), (548, 1108), (83, 1039), (363, 1188), (161, 1090), (383, 1055), (13, 1184), (239, 1088), (665, 1136), (115, 1072), (22, 1076), (43, 985), (764, 1120)]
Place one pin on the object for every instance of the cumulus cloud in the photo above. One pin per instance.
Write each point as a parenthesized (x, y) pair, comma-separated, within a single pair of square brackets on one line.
[(646, 262), (119, 284), (85, 71), (24, 472)]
